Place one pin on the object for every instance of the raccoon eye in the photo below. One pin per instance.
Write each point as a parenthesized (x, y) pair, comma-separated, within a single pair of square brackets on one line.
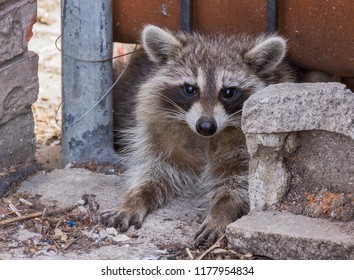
[(189, 89), (228, 93)]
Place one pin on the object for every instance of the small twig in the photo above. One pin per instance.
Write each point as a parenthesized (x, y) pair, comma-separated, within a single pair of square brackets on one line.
[(13, 208), (56, 245), (240, 255), (211, 248), (59, 222), (86, 233), (34, 215), (72, 242), (22, 218), (44, 212), (189, 254), (24, 201)]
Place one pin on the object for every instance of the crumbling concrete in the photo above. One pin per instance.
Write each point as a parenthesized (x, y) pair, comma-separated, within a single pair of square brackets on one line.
[(300, 139)]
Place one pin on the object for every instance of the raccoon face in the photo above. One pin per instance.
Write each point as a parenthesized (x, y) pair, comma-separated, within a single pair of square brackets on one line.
[(204, 81)]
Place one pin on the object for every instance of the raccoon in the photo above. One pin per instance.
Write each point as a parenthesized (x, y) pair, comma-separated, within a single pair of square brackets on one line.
[(178, 111)]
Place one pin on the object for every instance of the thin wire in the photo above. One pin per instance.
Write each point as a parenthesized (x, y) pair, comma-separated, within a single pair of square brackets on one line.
[(99, 60), (103, 96)]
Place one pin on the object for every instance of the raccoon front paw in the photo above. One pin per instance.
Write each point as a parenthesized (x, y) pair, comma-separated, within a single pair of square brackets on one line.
[(122, 219), (127, 218), (207, 234)]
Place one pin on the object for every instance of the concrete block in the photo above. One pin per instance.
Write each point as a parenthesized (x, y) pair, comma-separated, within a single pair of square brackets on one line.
[(19, 90), (301, 143), (281, 235), (16, 21), (282, 119)]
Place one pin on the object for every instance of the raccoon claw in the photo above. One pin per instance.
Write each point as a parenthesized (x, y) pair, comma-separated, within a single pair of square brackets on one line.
[(106, 218), (205, 236), (125, 219), (121, 220)]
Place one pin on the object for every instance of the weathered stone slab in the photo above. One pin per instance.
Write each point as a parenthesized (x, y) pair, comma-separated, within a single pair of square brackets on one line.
[(281, 235), (16, 21), (19, 90), (296, 107)]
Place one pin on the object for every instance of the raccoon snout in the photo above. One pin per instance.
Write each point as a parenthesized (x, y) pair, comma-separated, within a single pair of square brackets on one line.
[(206, 126)]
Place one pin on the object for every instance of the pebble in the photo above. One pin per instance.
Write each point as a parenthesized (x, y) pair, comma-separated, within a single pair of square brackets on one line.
[(112, 231), (81, 202), (103, 234), (82, 209), (120, 238)]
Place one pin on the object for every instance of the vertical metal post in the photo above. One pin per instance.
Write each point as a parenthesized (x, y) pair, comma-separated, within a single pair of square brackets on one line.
[(86, 37), (187, 15), (272, 16)]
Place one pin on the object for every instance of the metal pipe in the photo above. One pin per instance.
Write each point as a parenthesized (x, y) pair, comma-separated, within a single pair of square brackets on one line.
[(87, 134), (272, 16), (186, 15)]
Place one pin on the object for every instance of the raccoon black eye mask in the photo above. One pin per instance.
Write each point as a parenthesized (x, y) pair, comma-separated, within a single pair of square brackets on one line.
[(184, 88)]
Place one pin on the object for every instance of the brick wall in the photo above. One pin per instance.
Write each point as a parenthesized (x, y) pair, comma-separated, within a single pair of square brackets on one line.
[(18, 84)]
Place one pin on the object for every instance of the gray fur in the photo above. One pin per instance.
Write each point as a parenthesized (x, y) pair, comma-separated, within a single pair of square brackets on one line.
[(165, 155)]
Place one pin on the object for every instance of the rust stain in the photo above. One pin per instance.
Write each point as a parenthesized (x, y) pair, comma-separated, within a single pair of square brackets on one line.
[(324, 200), (29, 32), (311, 199), (338, 206)]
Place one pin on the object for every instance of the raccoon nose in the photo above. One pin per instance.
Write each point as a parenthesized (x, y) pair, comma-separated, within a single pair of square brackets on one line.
[(206, 126)]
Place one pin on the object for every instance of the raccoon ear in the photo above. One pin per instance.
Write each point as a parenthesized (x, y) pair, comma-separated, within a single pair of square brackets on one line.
[(266, 55), (158, 43)]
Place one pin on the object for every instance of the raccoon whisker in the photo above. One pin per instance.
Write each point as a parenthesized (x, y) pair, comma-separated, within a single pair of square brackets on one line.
[(236, 113), (171, 117), (173, 111), (234, 120), (178, 108), (175, 116), (171, 114), (237, 127), (173, 103)]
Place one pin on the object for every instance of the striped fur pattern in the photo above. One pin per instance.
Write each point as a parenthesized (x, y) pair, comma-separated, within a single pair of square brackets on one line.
[(178, 116)]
